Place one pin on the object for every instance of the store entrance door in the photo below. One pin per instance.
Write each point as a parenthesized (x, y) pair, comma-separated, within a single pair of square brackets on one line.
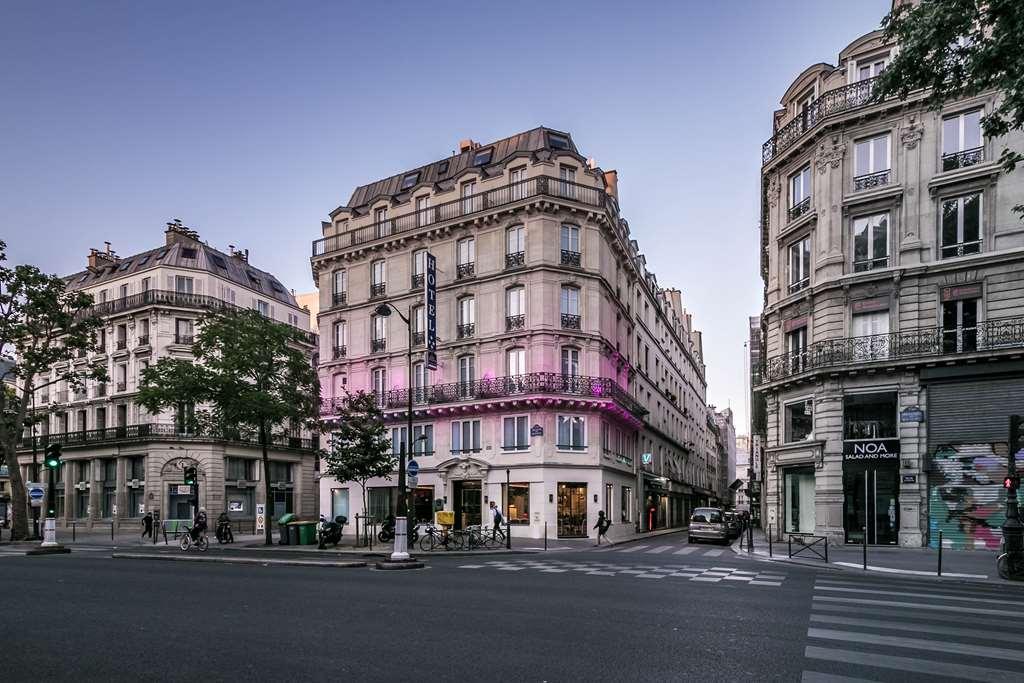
[(572, 510), (179, 502), (467, 503), (871, 503)]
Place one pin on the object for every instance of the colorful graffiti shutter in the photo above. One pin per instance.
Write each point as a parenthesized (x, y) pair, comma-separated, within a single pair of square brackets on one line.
[(966, 500)]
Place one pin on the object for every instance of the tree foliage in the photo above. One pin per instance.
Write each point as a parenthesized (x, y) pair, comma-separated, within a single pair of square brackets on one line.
[(250, 376), (360, 448), (957, 49), (43, 325)]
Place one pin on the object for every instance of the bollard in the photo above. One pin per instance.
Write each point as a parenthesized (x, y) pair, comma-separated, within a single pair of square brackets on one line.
[(74, 530), (769, 540), (111, 531), (826, 550), (865, 548), (940, 554), (545, 535), (508, 534), (750, 538)]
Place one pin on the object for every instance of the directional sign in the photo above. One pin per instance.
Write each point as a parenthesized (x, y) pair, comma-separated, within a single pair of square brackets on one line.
[(35, 495), (413, 468), (430, 298)]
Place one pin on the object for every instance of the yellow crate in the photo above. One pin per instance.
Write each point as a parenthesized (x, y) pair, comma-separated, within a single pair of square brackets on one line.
[(445, 518)]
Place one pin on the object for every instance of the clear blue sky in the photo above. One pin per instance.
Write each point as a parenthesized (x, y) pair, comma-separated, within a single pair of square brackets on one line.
[(252, 120)]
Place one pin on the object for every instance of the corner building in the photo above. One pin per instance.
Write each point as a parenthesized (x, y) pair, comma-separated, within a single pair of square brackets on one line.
[(563, 369), (893, 326)]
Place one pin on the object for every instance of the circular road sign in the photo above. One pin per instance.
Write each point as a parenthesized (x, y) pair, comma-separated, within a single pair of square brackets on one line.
[(413, 468)]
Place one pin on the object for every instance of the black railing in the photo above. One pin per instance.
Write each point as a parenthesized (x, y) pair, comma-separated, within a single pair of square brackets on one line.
[(990, 335), (501, 387), (378, 345), (515, 322), (963, 159), (465, 270), (800, 208), (121, 344), (795, 287), (417, 281), (462, 207), (570, 258), (122, 386), (841, 99), (961, 249), (869, 180), (143, 340), (570, 321), (160, 431), (466, 330), (515, 260), (340, 352), (184, 339), (870, 264), (339, 298), (418, 338), (378, 290)]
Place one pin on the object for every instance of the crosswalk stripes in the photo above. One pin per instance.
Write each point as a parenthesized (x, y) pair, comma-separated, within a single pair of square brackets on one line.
[(685, 550), (651, 549), (728, 575), (882, 630)]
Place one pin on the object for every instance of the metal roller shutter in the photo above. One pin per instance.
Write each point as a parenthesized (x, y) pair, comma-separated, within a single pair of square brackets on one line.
[(972, 412)]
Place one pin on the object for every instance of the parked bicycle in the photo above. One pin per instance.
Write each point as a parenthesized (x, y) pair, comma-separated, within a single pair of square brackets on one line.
[(438, 537), (200, 543)]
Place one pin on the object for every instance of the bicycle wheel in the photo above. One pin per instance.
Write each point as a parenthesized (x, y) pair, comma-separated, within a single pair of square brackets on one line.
[(427, 542), (186, 541)]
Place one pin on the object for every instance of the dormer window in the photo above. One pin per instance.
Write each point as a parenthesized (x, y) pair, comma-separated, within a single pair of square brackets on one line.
[(442, 168), (254, 281), (870, 68), (483, 156), (125, 266), (410, 179), (557, 141), (188, 252)]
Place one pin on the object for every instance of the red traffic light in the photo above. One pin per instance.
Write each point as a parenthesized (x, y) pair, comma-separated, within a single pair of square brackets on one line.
[(1011, 482)]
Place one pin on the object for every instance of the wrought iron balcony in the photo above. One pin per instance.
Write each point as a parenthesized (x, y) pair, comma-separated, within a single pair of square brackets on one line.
[(838, 100), (122, 386), (905, 345), (340, 352), (961, 249), (417, 281), (800, 208), (540, 186), (339, 298), (159, 432), (870, 180), (184, 339), (121, 344), (870, 264), (378, 290), (570, 258), (466, 330), (99, 390), (44, 398), (142, 341), (963, 159), (418, 338), (570, 322), (464, 270), (378, 345), (515, 260), (515, 322), (795, 287), (537, 383)]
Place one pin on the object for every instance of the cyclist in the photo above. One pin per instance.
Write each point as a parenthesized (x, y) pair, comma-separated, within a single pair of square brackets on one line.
[(198, 525)]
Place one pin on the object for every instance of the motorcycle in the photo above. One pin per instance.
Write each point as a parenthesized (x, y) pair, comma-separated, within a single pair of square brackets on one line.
[(387, 532), (224, 533), (331, 532)]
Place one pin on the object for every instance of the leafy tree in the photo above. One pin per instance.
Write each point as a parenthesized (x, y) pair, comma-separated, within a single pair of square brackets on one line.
[(957, 49), (249, 375), (360, 448), (42, 323)]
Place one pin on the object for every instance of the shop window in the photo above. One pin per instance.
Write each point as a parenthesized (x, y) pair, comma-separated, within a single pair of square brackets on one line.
[(798, 492), (870, 416), (378, 500), (516, 499), (627, 504), (799, 420)]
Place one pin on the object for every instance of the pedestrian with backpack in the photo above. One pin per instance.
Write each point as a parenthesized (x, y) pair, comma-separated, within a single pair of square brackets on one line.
[(498, 521), (602, 527)]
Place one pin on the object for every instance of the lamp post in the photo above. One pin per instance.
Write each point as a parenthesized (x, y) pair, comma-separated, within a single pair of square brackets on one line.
[(508, 499), (35, 471)]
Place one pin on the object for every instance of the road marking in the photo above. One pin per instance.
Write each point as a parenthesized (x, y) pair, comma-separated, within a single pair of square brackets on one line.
[(510, 569), (818, 677), (650, 576), (907, 616), (471, 566), (713, 553), (943, 668), (914, 643), (659, 549), (597, 573), (758, 582), (554, 571), (918, 605), (991, 634), (633, 549), (916, 572), (713, 579), (941, 596), (685, 551), (733, 577), (684, 575)]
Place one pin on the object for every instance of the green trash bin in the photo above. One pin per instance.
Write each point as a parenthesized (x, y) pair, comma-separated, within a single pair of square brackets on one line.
[(307, 532), (293, 533), (282, 528)]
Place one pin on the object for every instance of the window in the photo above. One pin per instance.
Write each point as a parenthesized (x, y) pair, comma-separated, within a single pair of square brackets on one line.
[(796, 347), (419, 323), (423, 216), (515, 433), (517, 180), (340, 287), (960, 326), (870, 68), (571, 432), (465, 436), (570, 362), (183, 331), (145, 284), (567, 187), (466, 317), (870, 242), (870, 416), (263, 307), (380, 220), (467, 375), (515, 362), (419, 267), (123, 292), (465, 257), (143, 337), (557, 141), (961, 225), (239, 469), (254, 280), (378, 278), (799, 265), (378, 381), (189, 253), (570, 245), (876, 326), (609, 494), (280, 471), (799, 420), (340, 335), (961, 140), (517, 502), (871, 162), (442, 167), (515, 246), (218, 261), (483, 156), (570, 308), (798, 507), (423, 439), (800, 192), (410, 179), (379, 325), (627, 503), (515, 301), (468, 201), (183, 285)]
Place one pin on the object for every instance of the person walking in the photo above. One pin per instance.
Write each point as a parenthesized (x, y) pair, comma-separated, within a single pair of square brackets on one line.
[(147, 525), (602, 527), (497, 519)]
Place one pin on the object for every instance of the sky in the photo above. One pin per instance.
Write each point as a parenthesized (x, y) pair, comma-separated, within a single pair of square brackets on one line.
[(251, 121)]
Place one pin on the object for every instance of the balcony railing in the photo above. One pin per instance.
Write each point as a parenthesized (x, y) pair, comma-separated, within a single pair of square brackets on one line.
[(121, 344), (515, 259), (961, 249), (340, 352), (991, 335), (548, 383), (122, 386), (800, 208), (968, 157), (184, 339), (339, 298), (795, 287), (418, 338), (570, 322), (845, 98), (464, 270), (515, 322), (466, 330), (162, 432), (378, 345), (417, 281), (142, 340), (570, 258), (378, 290), (870, 180), (462, 207)]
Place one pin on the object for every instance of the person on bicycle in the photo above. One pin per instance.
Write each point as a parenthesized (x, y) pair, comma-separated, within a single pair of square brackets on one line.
[(198, 524), (497, 519)]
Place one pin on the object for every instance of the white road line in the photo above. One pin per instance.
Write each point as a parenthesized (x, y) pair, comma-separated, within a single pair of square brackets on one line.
[(818, 677), (713, 553), (914, 643), (554, 571), (685, 551), (633, 548), (917, 572), (724, 569), (737, 578), (917, 627), (919, 605), (659, 549), (713, 579), (650, 576), (510, 569), (908, 616), (685, 575), (941, 596), (596, 573), (950, 669), (471, 566), (758, 582)]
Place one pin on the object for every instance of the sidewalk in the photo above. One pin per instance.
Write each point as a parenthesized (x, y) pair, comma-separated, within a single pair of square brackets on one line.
[(975, 565)]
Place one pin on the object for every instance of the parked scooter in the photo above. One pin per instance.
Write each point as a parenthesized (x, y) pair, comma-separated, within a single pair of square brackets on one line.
[(224, 533), (331, 532), (387, 532)]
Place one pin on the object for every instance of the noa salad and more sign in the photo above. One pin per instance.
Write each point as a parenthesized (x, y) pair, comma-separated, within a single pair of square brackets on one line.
[(868, 450)]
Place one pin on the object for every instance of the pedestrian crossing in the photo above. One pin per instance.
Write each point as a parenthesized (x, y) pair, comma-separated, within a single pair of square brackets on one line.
[(891, 631), (665, 549), (728, 575)]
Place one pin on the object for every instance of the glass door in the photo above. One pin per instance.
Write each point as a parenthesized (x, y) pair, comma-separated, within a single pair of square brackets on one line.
[(467, 503), (572, 510), (871, 505)]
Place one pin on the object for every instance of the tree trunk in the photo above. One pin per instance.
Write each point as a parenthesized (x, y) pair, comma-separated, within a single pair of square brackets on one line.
[(19, 504), (269, 540)]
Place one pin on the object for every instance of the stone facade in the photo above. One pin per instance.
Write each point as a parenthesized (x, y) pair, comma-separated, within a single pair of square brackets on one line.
[(893, 267)]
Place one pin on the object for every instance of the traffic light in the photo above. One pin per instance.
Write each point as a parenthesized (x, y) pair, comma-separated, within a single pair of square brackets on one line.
[(1011, 482), (190, 476), (52, 460), (1016, 434)]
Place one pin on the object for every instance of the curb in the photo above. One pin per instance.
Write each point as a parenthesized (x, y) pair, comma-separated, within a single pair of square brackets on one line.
[(233, 560)]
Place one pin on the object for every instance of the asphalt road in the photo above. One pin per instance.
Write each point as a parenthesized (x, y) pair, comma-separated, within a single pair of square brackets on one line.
[(630, 614)]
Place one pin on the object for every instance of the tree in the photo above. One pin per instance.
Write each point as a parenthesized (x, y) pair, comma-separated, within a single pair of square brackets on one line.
[(957, 49), (42, 324), (360, 449), (249, 375)]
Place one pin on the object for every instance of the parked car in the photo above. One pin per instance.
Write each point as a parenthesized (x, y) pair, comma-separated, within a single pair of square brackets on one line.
[(707, 524), (733, 525)]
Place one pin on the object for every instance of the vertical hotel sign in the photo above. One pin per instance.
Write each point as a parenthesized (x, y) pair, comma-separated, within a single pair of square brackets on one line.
[(430, 298)]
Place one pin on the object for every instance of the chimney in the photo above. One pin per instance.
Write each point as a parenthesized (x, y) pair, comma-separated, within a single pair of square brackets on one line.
[(611, 183), (98, 260), (467, 144), (178, 233)]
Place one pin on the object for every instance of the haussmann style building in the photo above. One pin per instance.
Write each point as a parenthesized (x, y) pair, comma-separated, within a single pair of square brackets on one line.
[(893, 326), (568, 382)]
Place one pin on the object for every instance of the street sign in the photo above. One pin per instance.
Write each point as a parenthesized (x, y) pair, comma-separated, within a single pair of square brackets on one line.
[(646, 458), (413, 468), (430, 298), (913, 414), (35, 495), (261, 513), (412, 480), (536, 430)]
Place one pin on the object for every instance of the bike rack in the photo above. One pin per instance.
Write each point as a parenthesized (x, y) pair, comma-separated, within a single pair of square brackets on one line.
[(812, 549)]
